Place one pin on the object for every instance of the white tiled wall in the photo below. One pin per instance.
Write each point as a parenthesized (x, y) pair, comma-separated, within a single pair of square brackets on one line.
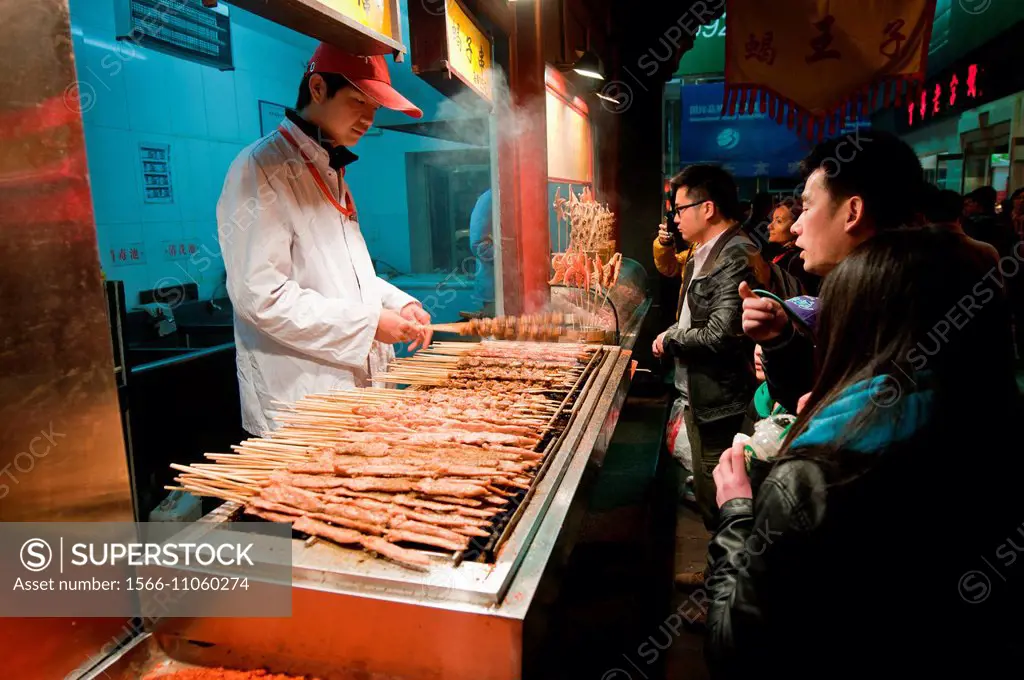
[(132, 95)]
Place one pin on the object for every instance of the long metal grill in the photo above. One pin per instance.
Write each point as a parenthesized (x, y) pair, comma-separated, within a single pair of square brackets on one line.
[(413, 475)]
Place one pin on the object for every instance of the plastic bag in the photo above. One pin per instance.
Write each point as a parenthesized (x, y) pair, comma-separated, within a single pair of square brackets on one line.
[(676, 437)]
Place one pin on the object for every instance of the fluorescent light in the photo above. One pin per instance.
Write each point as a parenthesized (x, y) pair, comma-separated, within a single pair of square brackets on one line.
[(589, 66), (589, 74)]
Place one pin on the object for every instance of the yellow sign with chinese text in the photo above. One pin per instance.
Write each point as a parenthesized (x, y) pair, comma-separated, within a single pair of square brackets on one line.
[(374, 14), (469, 50)]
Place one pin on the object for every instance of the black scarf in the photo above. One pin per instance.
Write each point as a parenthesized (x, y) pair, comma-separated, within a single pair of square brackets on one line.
[(340, 156)]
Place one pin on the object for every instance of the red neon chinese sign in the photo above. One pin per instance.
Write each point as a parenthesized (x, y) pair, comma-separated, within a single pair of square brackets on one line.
[(917, 111)]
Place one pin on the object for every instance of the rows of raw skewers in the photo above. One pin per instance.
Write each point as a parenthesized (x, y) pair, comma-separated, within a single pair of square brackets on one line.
[(397, 471)]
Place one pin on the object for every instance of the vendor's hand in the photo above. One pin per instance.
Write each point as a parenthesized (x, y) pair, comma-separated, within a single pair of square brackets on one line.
[(731, 480), (763, 318), (414, 312), (658, 347), (802, 402), (393, 328), (664, 235)]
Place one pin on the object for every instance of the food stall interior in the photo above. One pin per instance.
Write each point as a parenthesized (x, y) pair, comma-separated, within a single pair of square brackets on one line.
[(163, 120), (162, 124)]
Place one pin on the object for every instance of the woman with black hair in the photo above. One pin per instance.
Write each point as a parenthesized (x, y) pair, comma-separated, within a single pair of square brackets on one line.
[(856, 559), (787, 254)]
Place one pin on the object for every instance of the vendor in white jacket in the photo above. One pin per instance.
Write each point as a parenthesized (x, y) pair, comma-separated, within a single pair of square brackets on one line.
[(311, 315)]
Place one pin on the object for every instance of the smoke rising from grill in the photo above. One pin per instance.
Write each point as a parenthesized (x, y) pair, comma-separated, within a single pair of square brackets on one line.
[(515, 119)]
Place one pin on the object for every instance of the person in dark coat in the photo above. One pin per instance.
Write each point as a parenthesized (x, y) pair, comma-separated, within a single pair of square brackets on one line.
[(851, 560), (980, 221), (876, 190), (781, 236)]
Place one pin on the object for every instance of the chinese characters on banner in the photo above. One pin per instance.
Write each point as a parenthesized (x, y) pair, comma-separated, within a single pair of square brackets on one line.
[(815, 65), (762, 49), (821, 44), (469, 50)]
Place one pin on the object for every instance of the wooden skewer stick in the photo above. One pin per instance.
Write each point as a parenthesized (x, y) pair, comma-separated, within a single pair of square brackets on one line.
[(220, 476), (289, 450), (241, 472), (250, 462), (215, 484), (448, 327), (203, 490)]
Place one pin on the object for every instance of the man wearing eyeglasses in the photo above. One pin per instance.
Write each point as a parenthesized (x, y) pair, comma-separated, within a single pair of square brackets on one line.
[(714, 367)]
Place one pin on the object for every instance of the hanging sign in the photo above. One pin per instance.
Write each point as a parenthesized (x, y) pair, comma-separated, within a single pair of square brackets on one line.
[(367, 27), (813, 63), (469, 50), (450, 49), (707, 56), (373, 14)]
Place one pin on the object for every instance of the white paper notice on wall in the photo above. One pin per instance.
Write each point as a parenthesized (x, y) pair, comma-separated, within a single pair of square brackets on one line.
[(155, 162), (271, 115), (127, 254)]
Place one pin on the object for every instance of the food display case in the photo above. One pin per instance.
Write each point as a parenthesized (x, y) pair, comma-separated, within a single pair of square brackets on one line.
[(616, 316)]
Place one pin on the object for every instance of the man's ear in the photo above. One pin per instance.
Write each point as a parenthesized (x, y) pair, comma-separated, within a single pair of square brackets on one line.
[(709, 209), (854, 214), (317, 88)]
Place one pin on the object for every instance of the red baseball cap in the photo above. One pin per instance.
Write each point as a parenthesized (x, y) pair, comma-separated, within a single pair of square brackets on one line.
[(369, 75)]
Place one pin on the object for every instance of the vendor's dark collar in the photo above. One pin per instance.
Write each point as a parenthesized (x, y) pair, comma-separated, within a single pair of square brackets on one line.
[(339, 156)]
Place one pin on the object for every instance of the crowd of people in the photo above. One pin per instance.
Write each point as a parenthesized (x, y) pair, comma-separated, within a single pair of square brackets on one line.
[(878, 312)]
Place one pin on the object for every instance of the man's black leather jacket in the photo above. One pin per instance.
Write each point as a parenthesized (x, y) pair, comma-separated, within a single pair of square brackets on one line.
[(719, 358)]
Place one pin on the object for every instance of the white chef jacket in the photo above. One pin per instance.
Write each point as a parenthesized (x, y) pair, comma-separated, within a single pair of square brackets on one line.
[(306, 297)]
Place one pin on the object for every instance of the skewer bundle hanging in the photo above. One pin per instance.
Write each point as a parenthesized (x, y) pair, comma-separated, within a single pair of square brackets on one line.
[(589, 225)]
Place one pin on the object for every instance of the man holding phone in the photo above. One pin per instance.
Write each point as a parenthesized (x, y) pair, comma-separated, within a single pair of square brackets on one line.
[(714, 369)]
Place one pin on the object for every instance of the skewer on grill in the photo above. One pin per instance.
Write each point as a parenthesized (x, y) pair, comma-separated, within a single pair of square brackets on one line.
[(381, 466), (549, 326)]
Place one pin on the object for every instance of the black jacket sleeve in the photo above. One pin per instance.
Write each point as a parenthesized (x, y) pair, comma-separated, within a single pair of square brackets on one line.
[(724, 327), (751, 546), (789, 367)]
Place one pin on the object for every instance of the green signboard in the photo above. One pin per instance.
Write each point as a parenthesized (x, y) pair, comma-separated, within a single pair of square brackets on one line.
[(707, 56), (959, 27), (963, 25)]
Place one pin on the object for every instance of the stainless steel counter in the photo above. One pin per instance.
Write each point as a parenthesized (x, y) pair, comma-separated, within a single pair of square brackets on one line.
[(179, 356), (354, 616)]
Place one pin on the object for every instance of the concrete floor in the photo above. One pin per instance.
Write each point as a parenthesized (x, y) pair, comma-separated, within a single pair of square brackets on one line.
[(686, 657), (612, 617)]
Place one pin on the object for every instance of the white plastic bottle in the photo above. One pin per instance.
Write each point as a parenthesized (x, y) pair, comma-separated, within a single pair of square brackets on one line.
[(766, 441)]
